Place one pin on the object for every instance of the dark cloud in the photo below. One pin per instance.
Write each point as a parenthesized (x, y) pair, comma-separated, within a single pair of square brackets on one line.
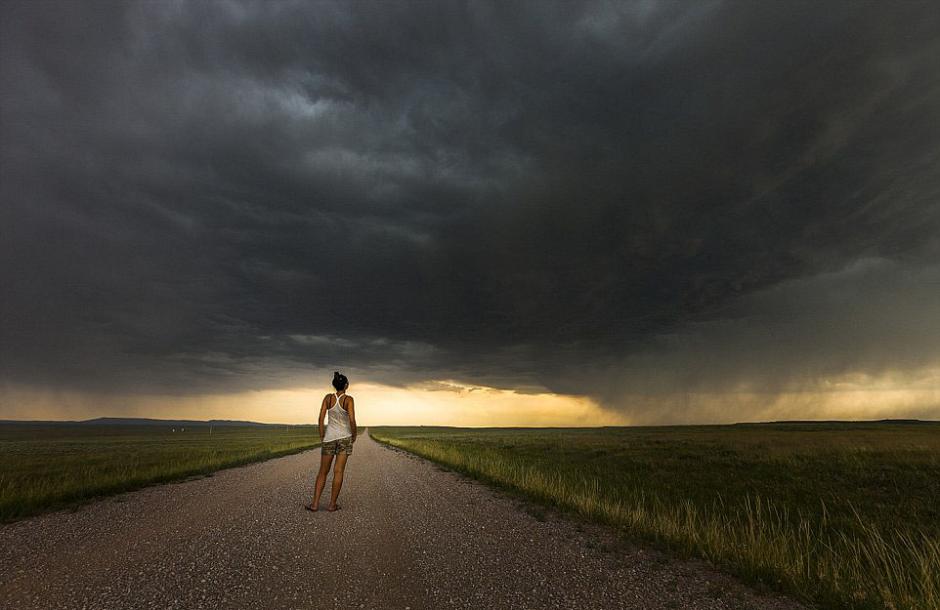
[(210, 196), (873, 324)]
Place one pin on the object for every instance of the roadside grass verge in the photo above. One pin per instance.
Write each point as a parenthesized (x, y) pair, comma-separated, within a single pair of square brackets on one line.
[(840, 516), (46, 468)]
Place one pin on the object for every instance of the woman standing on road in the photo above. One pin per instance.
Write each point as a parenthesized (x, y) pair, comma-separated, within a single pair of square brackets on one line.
[(336, 438)]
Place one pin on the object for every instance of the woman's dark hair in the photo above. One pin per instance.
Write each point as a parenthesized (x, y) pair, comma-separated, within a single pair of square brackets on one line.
[(339, 381)]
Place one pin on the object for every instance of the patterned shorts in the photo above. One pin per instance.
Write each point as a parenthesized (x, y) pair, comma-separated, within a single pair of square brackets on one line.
[(334, 447)]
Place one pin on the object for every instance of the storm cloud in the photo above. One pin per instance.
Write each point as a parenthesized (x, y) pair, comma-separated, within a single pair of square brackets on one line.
[(617, 200)]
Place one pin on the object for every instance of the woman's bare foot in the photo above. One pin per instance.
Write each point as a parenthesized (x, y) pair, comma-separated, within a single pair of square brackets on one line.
[(334, 507), (311, 507)]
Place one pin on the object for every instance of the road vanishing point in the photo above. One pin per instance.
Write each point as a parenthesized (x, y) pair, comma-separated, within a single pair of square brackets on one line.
[(409, 535)]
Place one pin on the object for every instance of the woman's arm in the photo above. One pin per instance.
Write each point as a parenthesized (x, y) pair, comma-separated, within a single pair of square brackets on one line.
[(322, 415), (352, 417)]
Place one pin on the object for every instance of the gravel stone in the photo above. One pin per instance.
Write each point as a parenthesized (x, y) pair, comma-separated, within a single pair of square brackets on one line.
[(409, 535)]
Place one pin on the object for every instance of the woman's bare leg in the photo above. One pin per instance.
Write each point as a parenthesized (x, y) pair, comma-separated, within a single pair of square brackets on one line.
[(325, 461), (338, 470)]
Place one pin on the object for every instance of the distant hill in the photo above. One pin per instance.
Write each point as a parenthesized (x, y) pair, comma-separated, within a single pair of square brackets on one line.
[(837, 422), (142, 421)]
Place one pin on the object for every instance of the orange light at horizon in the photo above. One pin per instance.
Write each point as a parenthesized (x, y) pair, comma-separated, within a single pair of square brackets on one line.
[(451, 403)]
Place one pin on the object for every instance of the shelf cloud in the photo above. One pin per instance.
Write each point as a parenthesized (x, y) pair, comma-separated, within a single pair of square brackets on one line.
[(639, 203)]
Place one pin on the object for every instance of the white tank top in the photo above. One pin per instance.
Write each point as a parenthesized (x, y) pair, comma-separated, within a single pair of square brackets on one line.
[(337, 424)]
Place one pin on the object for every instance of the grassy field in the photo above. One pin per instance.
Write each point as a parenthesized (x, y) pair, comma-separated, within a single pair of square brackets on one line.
[(48, 467), (842, 515)]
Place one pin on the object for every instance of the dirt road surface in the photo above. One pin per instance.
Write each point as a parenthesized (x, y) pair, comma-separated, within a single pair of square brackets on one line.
[(409, 535)]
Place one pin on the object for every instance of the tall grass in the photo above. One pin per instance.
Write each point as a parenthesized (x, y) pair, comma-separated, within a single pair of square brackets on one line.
[(854, 560), (48, 467)]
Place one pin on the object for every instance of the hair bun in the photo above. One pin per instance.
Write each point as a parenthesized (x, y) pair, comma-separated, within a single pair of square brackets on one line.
[(335, 373)]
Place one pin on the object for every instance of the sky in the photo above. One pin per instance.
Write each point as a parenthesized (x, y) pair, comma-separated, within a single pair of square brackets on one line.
[(483, 213)]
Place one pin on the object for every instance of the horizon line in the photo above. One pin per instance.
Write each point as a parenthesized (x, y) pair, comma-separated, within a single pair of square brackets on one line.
[(104, 420)]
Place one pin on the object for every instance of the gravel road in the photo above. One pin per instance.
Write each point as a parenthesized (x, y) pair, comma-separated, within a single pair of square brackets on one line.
[(408, 535)]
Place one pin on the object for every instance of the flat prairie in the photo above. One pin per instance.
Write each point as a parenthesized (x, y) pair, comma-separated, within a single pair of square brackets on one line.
[(842, 515), (46, 467)]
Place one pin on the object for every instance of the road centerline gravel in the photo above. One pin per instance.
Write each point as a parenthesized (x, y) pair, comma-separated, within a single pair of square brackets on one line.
[(408, 535)]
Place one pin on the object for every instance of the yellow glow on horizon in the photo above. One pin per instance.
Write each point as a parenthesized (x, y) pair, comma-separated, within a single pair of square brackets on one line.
[(455, 404), (913, 394), (451, 403)]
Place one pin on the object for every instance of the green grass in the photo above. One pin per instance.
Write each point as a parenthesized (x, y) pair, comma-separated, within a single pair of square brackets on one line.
[(49, 467), (841, 515)]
